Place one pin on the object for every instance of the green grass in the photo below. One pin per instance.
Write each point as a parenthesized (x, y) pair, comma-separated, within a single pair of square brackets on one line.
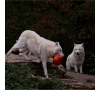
[(16, 77)]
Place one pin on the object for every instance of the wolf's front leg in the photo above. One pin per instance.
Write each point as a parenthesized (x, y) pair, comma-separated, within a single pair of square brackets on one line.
[(24, 54), (29, 53), (68, 66), (14, 48), (44, 64), (76, 68), (80, 69)]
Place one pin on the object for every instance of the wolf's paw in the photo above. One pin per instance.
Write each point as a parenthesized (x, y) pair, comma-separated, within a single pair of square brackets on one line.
[(48, 78), (29, 59), (81, 73), (43, 78), (37, 61), (76, 71)]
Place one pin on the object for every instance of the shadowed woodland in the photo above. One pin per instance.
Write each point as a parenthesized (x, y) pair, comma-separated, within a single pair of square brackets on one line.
[(66, 21)]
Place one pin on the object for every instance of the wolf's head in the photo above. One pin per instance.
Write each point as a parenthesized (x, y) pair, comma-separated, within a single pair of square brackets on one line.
[(58, 49), (78, 49)]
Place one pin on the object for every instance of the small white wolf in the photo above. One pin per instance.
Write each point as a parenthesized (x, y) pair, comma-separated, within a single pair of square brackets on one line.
[(76, 58), (39, 46)]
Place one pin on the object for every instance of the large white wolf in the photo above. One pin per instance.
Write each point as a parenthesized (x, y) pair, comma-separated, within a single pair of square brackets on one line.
[(39, 46), (76, 58)]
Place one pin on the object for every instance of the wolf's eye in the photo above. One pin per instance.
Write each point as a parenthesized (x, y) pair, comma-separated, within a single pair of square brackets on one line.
[(79, 49), (76, 49)]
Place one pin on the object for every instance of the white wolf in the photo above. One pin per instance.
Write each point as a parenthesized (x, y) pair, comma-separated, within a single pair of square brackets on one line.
[(76, 58), (39, 46)]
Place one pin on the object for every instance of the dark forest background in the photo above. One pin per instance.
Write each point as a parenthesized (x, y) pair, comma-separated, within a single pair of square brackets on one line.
[(66, 21)]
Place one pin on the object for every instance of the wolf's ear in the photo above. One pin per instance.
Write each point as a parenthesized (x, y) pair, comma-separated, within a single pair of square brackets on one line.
[(74, 44), (57, 43), (16, 40), (82, 44)]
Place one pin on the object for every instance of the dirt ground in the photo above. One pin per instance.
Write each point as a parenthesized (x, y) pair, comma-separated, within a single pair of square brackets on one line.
[(77, 80)]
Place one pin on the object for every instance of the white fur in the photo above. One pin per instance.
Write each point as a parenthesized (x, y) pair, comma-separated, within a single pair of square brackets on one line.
[(24, 51), (39, 46), (76, 58)]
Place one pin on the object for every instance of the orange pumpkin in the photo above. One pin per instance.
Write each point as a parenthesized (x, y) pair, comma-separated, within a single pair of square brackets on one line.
[(57, 60)]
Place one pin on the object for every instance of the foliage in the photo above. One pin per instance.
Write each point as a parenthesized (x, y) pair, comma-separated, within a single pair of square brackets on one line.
[(89, 68), (66, 21), (17, 78)]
